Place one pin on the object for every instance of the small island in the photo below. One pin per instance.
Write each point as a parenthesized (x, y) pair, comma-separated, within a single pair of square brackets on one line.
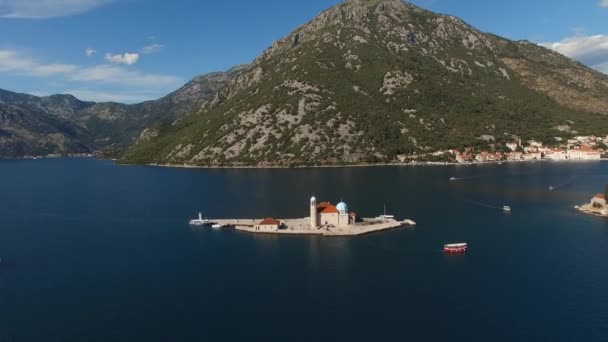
[(597, 206), (325, 219)]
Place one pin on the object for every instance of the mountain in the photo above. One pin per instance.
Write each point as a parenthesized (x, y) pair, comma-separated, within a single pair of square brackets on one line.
[(376, 80), (31, 125), (62, 124), (115, 126)]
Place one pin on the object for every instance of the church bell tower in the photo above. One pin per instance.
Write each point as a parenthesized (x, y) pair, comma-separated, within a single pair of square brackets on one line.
[(314, 219)]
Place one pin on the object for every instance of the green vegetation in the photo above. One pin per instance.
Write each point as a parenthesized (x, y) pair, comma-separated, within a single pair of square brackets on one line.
[(321, 98)]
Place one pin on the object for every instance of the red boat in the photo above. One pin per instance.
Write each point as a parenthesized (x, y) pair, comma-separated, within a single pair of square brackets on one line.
[(456, 248)]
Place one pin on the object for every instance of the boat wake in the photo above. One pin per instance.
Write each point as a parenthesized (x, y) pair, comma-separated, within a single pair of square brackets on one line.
[(463, 178), (489, 206), (555, 187)]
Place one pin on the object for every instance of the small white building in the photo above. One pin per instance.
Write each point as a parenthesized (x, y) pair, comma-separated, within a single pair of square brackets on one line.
[(532, 156), (512, 146), (556, 154), (514, 156), (268, 225), (584, 154), (599, 199)]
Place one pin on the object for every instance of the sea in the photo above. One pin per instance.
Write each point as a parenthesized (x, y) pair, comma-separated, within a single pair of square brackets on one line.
[(94, 251)]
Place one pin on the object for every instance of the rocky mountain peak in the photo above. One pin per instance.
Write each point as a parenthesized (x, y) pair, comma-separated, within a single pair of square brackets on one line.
[(378, 80)]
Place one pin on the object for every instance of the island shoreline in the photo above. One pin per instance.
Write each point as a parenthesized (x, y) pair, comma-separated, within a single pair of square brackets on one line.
[(374, 165)]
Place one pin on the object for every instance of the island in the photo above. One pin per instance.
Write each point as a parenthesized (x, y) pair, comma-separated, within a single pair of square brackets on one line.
[(325, 219), (597, 206)]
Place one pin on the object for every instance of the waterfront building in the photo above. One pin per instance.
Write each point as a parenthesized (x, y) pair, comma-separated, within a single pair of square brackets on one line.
[(512, 146), (532, 156), (556, 154), (584, 154), (486, 156), (326, 214), (599, 199), (269, 225), (514, 156)]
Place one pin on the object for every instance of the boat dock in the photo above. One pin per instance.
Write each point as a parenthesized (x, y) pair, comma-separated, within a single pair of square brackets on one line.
[(302, 227)]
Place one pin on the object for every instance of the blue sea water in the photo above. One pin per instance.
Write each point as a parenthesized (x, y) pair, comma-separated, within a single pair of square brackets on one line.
[(98, 252)]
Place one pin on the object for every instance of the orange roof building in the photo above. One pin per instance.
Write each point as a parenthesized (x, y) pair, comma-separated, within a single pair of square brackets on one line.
[(269, 222), (328, 215)]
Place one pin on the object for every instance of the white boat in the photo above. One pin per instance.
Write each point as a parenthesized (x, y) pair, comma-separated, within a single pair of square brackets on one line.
[(506, 208), (218, 226), (386, 217), (453, 178), (200, 221)]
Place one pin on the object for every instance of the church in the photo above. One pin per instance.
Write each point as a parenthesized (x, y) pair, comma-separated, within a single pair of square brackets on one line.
[(326, 214)]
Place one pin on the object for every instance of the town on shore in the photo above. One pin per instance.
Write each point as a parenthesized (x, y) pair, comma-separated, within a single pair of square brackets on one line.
[(576, 148), (579, 148)]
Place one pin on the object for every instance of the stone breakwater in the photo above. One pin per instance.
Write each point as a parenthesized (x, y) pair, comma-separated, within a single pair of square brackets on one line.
[(302, 227), (591, 210)]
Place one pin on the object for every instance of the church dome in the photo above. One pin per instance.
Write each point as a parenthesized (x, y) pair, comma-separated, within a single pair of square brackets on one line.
[(342, 208)]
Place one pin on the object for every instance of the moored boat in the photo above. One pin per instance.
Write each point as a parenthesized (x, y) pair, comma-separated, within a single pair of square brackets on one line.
[(455, 248), (385, 217), (506, 208), (200, 221)]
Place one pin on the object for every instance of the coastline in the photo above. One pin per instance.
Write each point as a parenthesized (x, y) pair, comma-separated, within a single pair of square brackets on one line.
[(328, 166), (299, 227), (360, 165), (589, 210)]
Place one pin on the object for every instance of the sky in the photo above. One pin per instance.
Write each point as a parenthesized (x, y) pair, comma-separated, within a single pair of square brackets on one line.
[(135, 50)]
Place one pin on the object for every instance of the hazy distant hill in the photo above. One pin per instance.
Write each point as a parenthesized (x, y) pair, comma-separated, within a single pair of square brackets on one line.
[(31, 125), (372, 80)]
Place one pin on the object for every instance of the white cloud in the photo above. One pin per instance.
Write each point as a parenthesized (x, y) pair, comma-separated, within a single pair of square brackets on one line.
[(126, 58), (90, 52), (112, 74), (152, 48), (590, 50), (46, 8), (14, 62), (604, 3)]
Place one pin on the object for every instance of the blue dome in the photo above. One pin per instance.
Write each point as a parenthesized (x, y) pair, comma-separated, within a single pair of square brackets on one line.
[(342, 208)]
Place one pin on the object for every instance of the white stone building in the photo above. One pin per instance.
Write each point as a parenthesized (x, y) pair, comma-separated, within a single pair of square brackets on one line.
[(599, 199), (584, 154), (512, 146), (326, 214), (268, 225), (555, 154)]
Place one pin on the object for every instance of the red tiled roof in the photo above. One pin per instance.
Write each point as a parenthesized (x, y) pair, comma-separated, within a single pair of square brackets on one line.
[(327, 208), (599, 196), (269, 222)]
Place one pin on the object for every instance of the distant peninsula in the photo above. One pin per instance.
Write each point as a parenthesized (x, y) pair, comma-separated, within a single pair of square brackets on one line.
[(597, 206)]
